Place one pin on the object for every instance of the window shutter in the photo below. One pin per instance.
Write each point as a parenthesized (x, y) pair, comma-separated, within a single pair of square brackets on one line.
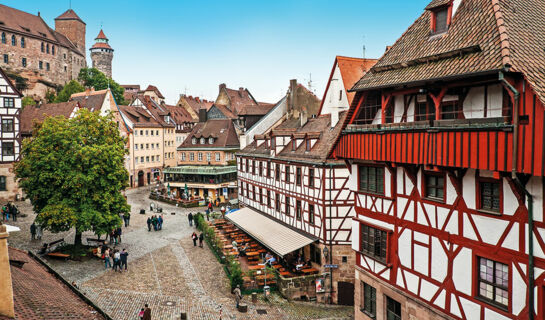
[(355, 235)]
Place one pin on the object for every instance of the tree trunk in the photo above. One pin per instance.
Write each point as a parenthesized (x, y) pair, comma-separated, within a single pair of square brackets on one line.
[(77, 239)]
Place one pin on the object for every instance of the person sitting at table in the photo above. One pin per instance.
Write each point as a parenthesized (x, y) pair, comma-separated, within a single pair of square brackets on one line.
[(242, 251), (308, 263), (270, 260)]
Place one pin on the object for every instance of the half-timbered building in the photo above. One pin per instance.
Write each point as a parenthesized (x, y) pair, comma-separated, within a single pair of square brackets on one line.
[(10, 139), (446, 146), (285, 175)]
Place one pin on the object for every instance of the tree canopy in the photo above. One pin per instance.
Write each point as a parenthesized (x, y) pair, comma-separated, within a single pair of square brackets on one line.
[(92, 77), (68, 90), (73, 173)]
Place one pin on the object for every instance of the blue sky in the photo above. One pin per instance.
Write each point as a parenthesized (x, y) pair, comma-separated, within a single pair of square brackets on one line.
[(193, 46)]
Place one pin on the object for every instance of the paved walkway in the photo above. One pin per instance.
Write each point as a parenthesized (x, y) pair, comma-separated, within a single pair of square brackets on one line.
[(166, 271)]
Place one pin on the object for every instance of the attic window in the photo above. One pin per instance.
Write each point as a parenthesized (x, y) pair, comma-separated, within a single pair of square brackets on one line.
[(194, 140), (210, 140), (440, 19), (203, 140), (26, 29)]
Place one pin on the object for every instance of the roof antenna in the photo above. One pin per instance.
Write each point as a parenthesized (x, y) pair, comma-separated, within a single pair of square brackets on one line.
[(364, 47), (310, 82)]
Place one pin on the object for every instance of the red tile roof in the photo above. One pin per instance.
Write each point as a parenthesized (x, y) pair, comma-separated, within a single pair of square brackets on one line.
[(101, 45), (197, 103), (255, 110), (69, 15), (92, 100), (101, 35), (239, 99), (38, 294), (139, 117), (38, 113), (222, 130), (179, 114), (154, 88)]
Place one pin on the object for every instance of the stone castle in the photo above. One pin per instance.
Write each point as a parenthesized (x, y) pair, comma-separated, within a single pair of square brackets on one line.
[(40, 59)]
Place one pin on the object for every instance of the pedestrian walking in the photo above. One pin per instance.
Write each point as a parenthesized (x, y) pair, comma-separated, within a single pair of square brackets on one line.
[(126, 218), (123, 256), (6, 211), (197, 220), (141, 314), (106, 257), (210, 206), (154, 222), (194, 238), (190, 218), (238, 295), (13, 211), (222, 211), (33, 231), (147, 312), (39, 231), (160, 222), (118, 233), (117, 257), (149, 223), (207, 214), (201, 238)]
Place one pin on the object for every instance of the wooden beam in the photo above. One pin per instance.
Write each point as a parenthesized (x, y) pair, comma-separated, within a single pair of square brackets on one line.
[(437, 101), (385, 101)]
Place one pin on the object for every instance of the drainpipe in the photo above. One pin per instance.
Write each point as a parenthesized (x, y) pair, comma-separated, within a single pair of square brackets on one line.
[(519, 183)]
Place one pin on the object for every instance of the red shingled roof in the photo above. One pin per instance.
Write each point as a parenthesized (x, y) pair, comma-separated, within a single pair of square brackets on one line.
[(101, 35), (222, 130), (154, 88), (240, 99), (37, 114), (139, 117), (69, 15), (101, 45), (38, 294)]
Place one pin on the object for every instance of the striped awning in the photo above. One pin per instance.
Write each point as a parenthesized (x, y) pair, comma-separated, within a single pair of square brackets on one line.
[(272, 234)]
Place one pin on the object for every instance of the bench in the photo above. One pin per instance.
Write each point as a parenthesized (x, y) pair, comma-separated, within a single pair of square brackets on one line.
[(48, 247), (96, 240), (58, 255)]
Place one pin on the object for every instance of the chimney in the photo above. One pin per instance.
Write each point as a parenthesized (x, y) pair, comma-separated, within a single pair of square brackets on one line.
[(202, 115), (6, 290), (303, 117), (222, 86), (241, 91), (291, 98)]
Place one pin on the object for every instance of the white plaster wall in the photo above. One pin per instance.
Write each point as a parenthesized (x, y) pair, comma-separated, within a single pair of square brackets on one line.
[(332, 101), (399, 107), (474, 102), (460, 276)]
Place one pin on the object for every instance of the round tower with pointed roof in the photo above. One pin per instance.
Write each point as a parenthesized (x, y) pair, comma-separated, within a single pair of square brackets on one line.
[(102, 54)]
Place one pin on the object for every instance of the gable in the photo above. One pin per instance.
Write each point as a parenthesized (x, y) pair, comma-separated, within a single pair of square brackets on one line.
[(215, 113)]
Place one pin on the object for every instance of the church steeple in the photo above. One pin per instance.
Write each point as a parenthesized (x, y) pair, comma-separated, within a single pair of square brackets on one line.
[(102, 54)]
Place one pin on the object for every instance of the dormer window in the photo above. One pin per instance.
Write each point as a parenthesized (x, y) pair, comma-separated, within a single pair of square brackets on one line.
[(194, 140), (210, 140), (203, 140), (293, 145), (441, 20), (308, 145)]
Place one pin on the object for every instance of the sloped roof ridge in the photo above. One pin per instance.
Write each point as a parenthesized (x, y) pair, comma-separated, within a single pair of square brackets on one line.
[(502, 29)]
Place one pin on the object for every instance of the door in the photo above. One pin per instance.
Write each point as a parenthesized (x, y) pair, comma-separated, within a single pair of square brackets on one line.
[(140, 178), (149, 178), (345, 293)]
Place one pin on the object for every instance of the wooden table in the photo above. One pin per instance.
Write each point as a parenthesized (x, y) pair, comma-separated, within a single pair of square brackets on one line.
[(309, 270), (285, 273), (257, 267), (252, 253)]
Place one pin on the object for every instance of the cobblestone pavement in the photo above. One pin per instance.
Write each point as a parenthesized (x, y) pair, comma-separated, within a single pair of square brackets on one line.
[(165, 271)]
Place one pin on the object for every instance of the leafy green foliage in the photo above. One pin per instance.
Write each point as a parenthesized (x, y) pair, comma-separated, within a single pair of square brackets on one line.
[(50, 96), (69, 89), (73, 173), (28, 101), (92, 77)]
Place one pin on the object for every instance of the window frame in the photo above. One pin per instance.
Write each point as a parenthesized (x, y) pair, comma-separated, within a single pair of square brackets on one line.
[(425, 187), (369, 254), (368, 191), (11, 121), (387, 308), (287, 173), (298, 176), (3, 183), (311, 177), (277, 202), (478, 188), (11, 103), (373, 300), (311, 213), (298, 209), (287, 209), (477, 280)]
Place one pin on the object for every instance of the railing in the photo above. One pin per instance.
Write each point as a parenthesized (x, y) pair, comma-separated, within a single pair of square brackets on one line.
[(496, 122)]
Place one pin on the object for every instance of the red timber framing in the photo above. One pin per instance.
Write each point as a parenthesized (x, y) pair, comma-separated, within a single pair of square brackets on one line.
[(333, 208)]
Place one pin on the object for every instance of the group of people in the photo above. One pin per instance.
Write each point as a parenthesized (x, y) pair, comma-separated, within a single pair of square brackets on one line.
[(145, 313), (241, 251), (115, 236), (9, 210), (156, 222), (113, 258), (36, 231), (200, 237)]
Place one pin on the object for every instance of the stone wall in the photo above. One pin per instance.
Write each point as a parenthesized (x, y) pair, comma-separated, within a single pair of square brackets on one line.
[(103, 62), (73, 30), (298, 288), (411, 308), (12, 187)]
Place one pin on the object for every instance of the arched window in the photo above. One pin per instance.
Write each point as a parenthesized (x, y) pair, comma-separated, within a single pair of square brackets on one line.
[(22, 42), (13, 41), (53, 50), (47, 48), (3, 37), (43, 47)]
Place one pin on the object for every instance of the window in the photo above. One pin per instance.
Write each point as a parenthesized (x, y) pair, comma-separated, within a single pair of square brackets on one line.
[(493, 282), (3, 183), (157, 145), (7, 125), (65, 69), (7, 149), (208, 156), (136, 147), (9, 102), (311, 213), (147, 158), (253, 167), (22, 42), (298, 176), (203, 140), (268, 198), (277, 171), (434, 186), (441, 20), (425, 109), (277, 202), (136, 160), (218, 156), (191, 156), (368, 303), (293, 145), (147, 145), (489, 195), (393, 309), (373, 242), (260, 172), (199, 156), (53, 50), (315, 254), (47, 48), (450, 110), (3, 37), (268, 169), (261, 196), (287, 174), (142, 146), (254, 193), (23, 62), (311, 177), (298, 209), (40, 65), (183, 156), (152, 133), (308, 145), (210, 140), (64, 55), (6, 58), (247, 167), (142, 159), (287, 206), (242, 189), (158, 158), (136, 132), (156, 132), (147, 133), (141, 132), (13, 41), (152, 158), (371, 179)]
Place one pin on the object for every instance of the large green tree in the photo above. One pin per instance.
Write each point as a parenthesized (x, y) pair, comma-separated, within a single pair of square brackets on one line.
[(68, 90), (92, 77), (72, 171)]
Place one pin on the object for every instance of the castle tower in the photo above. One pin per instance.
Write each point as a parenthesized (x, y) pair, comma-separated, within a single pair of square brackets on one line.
[(102, 54), (71, 26)]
